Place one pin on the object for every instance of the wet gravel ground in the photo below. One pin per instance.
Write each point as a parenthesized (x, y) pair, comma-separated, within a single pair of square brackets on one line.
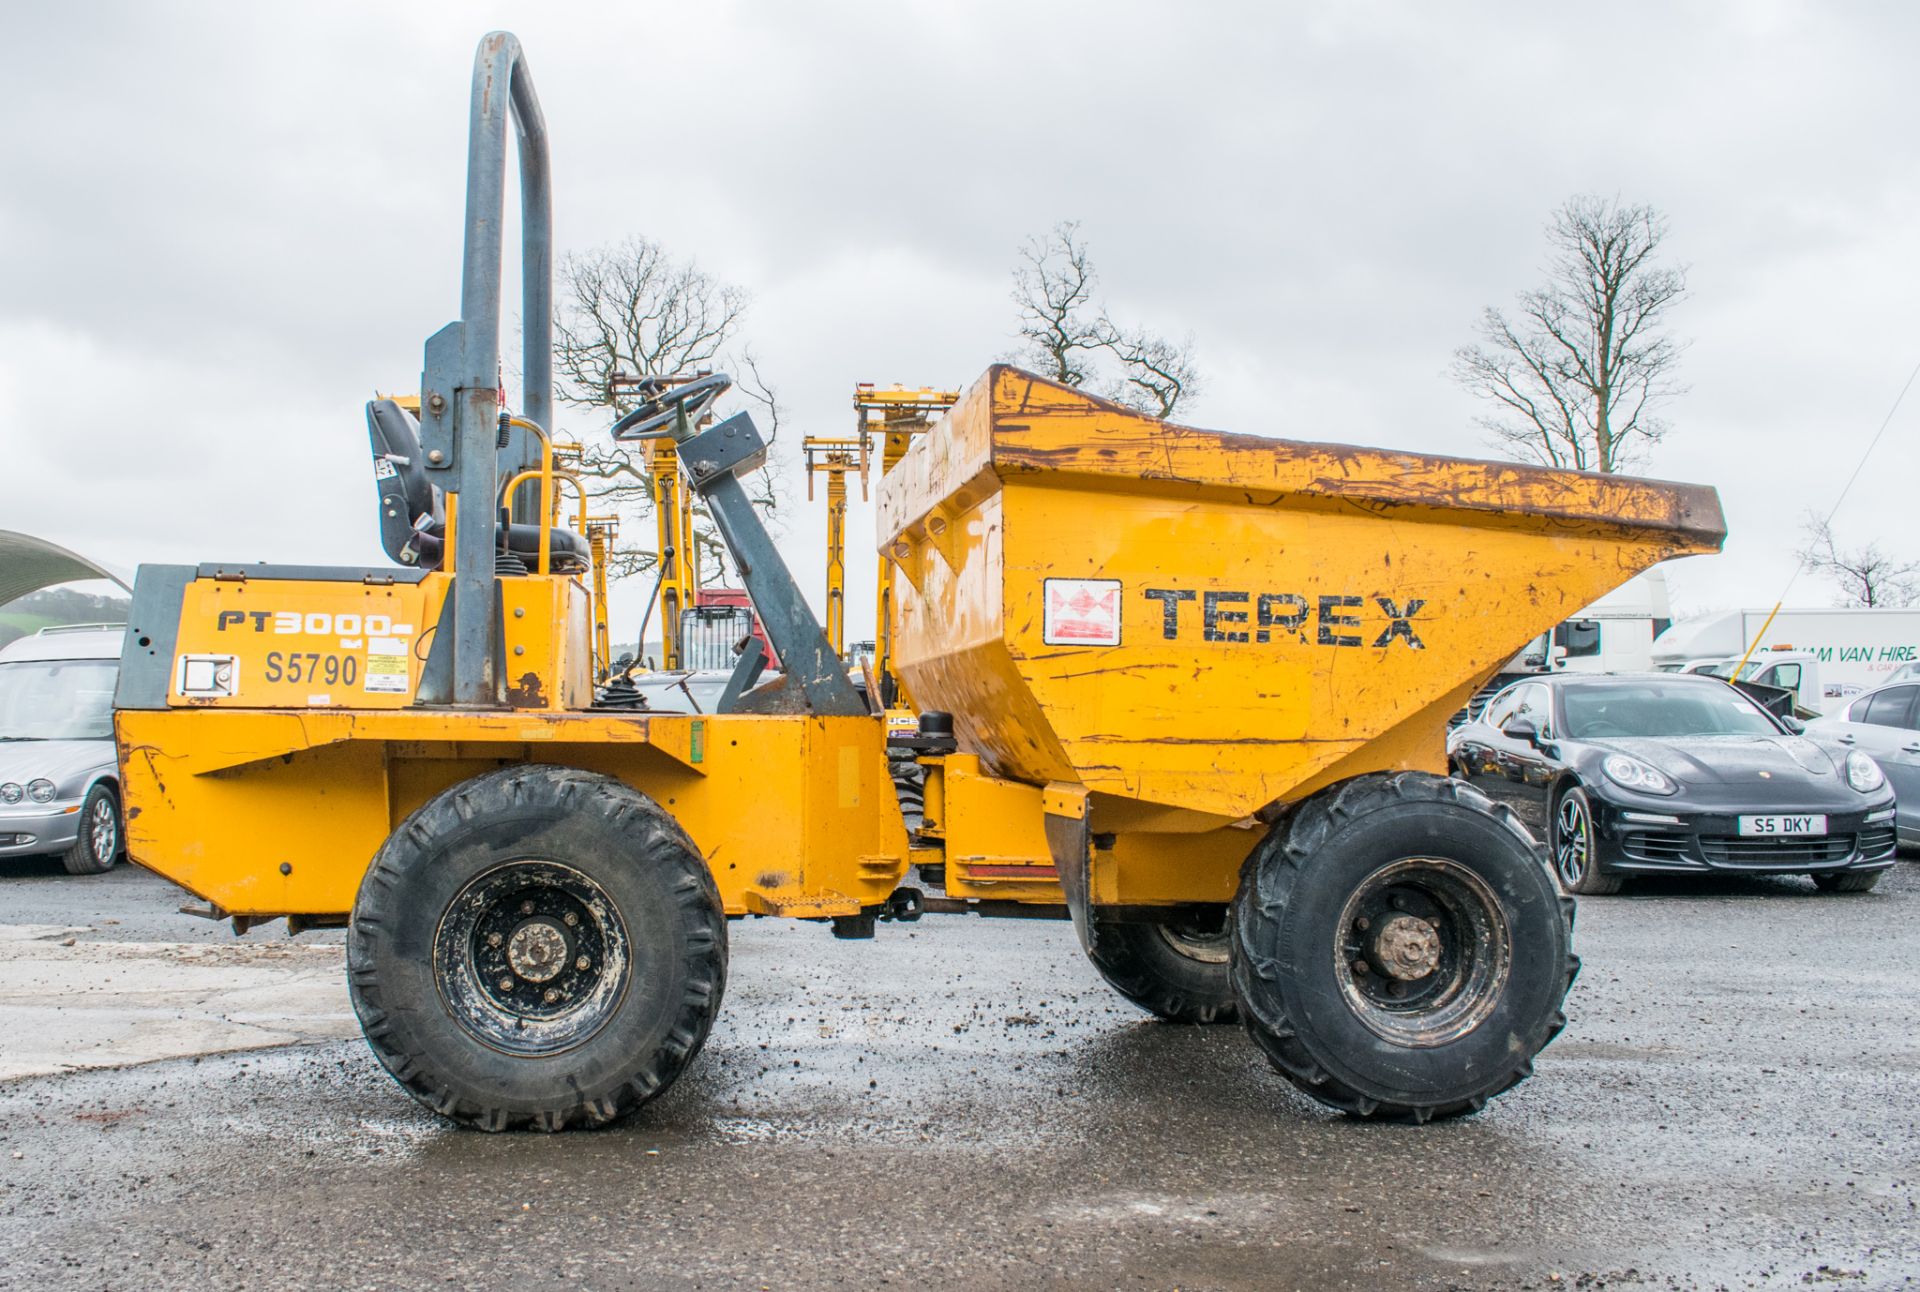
[(1736, 1103)]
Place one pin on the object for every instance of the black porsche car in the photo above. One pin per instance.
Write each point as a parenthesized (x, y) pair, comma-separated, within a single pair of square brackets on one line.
[(1626, 774)]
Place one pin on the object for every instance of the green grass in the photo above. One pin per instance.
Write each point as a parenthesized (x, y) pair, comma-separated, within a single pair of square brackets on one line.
[(15, 624)]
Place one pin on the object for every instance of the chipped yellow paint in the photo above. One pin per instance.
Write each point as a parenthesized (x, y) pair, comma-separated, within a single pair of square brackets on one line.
[(1268, 635)]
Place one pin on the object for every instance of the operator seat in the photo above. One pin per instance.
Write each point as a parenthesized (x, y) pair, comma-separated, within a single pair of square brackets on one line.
[(413, 518)]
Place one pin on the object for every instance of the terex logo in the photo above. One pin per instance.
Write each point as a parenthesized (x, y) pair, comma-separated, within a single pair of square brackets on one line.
[(313, 624), (1223, 613)]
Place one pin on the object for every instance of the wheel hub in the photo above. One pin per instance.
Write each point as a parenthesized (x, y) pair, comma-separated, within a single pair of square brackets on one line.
[(531, 957), (1423, 951), (1407, 948), (537, 951), (105, 828)]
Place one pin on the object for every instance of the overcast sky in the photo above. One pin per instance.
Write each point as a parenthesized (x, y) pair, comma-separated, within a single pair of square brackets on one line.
[(226, 225)]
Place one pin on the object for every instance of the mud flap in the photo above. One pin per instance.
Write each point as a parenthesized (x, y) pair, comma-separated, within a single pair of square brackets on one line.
[(1070, 840)]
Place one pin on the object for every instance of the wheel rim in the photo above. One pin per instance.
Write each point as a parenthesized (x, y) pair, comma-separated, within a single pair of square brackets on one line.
[(1196, 939), (1573, 845), (105, 829), (531, 958), (1424, 951)]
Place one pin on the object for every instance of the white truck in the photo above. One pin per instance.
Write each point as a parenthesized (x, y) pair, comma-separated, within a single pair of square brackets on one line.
[(1847, 651), (1794, 671)]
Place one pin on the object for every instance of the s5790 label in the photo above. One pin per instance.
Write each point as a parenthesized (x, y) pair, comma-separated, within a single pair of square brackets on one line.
[(312, 666)]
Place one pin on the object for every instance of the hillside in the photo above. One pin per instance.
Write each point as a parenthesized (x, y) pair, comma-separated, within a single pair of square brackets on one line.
[(37, 610)]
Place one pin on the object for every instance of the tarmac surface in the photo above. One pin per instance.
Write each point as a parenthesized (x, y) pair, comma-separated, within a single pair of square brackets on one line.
[(963, 1103)]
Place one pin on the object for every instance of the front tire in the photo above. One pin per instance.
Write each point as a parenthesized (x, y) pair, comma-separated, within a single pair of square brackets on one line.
[(98, 845), (537, 947), (1574, 845), (1398, 949), (1176, 970)]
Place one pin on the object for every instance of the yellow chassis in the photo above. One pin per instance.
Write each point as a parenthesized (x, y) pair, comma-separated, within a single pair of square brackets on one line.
[(278, 811)]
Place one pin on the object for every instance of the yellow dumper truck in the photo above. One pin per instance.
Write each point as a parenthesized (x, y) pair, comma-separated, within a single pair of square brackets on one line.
[(1188, 689)]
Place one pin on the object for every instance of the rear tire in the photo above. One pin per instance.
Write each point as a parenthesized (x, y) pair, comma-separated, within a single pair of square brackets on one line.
[(98, 846), (537, 947), (1176, 971), (1574, 846), (1398, 949), (1847, 881)]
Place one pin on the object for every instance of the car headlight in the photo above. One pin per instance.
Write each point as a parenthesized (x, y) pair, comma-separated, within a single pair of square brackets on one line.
[(1632, 774), (40, 790), (11, 793), (1863, 773)]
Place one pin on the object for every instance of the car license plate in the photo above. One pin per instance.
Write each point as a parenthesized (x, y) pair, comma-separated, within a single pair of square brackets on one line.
[(1769, 827)]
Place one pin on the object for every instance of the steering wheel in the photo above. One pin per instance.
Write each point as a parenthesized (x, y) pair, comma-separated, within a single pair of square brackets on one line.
[(664, 406)]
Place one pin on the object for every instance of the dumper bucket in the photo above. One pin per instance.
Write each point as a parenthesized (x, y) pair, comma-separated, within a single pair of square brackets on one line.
[(1216, 622)]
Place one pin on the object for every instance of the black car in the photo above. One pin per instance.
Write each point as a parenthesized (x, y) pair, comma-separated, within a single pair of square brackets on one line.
[(1674, 774)]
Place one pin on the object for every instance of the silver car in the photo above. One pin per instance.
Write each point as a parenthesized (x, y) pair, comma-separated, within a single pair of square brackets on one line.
[(1884, 723), (59, 784)]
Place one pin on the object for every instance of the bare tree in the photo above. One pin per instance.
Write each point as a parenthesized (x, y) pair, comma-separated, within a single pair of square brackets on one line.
[(635, 310), (632, 310), (1577, 376), (1066, 334), (1156, 375), (1867, 575), (1053, 290)]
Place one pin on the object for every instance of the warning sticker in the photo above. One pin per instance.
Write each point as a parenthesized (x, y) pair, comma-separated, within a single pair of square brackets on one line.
[(387, 665), (1082, 612)]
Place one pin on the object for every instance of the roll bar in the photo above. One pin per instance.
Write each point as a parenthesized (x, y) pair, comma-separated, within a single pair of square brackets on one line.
[(459, 387)]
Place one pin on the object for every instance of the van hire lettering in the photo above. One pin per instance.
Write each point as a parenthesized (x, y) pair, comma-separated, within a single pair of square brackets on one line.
[(1340, 620)]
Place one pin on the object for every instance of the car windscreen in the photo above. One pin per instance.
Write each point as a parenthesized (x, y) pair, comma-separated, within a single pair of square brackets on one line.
[(57, 699), (1660, 709)]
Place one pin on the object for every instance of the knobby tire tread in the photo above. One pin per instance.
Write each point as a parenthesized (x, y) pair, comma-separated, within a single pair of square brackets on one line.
[(1265, 890), (658, 840)]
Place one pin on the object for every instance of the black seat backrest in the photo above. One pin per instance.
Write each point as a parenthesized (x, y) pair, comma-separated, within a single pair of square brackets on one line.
[(410, 507), (413, 513)]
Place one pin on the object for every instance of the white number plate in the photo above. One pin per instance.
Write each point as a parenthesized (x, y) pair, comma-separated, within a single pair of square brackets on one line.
[(1782, 826)]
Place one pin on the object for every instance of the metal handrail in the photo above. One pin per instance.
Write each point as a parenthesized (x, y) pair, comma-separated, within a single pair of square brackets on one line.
[(549, 493)]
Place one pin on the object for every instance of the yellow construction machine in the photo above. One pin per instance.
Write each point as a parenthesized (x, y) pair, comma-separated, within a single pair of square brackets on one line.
[(834, 458), (895, 414), (1187, 689)]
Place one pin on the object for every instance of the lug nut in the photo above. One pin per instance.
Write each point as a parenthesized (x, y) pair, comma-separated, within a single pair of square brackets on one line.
[(1360, 966), (583, 964), (506, 984), (571, 919), (526, 908), (1363, 924), (551, 996), (494, 940)]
